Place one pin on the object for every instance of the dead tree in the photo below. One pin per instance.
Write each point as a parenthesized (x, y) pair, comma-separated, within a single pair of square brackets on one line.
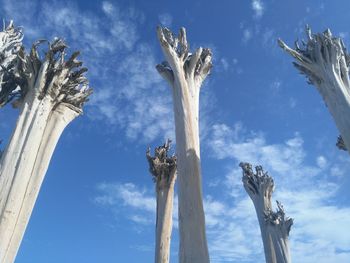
[(50, 93), (163, 169), (324, 60), (185, 73), (274, 226)]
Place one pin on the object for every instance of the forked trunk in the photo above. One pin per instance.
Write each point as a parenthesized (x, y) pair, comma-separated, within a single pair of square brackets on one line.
[(53, 92)]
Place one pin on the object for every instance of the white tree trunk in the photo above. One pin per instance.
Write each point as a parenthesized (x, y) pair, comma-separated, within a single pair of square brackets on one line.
[(325, 62), (185, 72), (163, 169), (53, 98), (274, 226)]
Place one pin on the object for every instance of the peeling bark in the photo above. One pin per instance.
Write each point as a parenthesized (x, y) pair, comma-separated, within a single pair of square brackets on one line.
[(53, 92), (274, 226), (324, 60), (185, 73), (163, 170)]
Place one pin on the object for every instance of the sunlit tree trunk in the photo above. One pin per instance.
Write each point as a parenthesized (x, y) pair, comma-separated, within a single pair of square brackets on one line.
[(185, 72), (52, 94), (325, 62), (274, 226), (163, 169)]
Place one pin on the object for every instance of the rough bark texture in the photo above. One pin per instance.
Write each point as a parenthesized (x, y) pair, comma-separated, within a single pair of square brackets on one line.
[(325, 62), (274, 226), (163, 170), (185, 72), (52, 93), (10, 46)]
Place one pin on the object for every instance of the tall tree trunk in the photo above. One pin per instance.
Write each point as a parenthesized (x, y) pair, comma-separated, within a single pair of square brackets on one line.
[(185, 72), (54, 91), (274, 226), (163, 169), (325, 62)]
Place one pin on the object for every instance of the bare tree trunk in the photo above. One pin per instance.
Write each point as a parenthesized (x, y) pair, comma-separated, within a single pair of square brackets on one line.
[(185, 72), (54, 91), (163, 169), (274, 226), (325, 62)]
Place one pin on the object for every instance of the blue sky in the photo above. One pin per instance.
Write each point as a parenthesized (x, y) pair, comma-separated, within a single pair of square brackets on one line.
[(97, 201)]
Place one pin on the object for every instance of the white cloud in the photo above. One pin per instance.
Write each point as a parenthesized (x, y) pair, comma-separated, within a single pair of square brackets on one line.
[(247, 35), (306, 190), (224, 64), (128, 92), (258, 8), (321, 161), (165, 19), (108, 8)]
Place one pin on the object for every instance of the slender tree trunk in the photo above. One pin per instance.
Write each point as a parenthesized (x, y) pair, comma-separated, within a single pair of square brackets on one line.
[(274, 226), (185, 72), (163, 169), (325, 62), (53, 98)]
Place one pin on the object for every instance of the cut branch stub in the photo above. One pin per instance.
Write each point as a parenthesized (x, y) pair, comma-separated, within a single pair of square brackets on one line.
[(279, 219), (340, 143), (161, 166), (10, 46), (176, 50)]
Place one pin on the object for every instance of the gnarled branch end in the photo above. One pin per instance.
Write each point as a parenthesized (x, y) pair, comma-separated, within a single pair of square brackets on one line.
[(257, 183), (322, 58), (10, 47), (176, 50), (161, 165), (279, 219)]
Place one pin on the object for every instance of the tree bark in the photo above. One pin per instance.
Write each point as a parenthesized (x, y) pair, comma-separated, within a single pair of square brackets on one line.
[(54, 92), (325, 62), (185, 72), (274, 226), (10, 47), (163, 169)]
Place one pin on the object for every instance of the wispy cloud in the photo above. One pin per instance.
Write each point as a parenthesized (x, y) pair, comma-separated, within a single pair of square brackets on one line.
[(128, 93), (258, 8), (165, 19), (306, 188)]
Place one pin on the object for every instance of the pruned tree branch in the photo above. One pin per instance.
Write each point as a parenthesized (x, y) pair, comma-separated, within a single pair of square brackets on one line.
[(274, 226), (324, 60)]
